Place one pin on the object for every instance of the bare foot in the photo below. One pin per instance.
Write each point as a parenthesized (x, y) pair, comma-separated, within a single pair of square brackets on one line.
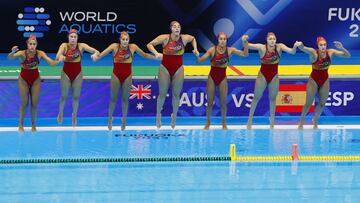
[(315, 122), (33, 128), (173, 121), (60, 118), (249, 124), (207, 125), (123, 123), (301, 124), (110, 122), (224, 126), (271, 124), (21, 128), (158, 121), (73, 120)]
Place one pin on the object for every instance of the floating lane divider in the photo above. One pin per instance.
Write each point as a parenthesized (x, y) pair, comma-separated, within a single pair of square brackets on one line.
[(233, 157), (112, 160), (294, 156)]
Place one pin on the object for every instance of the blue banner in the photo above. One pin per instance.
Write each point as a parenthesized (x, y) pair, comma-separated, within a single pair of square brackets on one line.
[(100, 24), (95, 98)]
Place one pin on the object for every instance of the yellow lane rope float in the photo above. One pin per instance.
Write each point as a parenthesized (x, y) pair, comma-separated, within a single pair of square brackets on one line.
[(294, 156)]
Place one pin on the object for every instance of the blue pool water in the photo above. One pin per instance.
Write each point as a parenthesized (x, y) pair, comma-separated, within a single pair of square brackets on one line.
[(152, 143), (221, 181), (182, 182)]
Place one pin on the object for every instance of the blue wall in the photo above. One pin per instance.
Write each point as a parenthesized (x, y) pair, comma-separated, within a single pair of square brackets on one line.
[(100, 23)]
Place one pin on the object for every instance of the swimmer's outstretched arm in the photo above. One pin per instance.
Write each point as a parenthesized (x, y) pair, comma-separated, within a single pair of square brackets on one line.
[(244, 52), (342, 52), (312, 52), (88, 48), (259, 47), (48, 60), (60, 53), (256, 46), (288, 50), (15, 53), (210, 52), (142, 53), (110, 48), (158, 40), (189, 38)]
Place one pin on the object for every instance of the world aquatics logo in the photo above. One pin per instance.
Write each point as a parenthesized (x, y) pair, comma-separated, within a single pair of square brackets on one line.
[(33, 21)]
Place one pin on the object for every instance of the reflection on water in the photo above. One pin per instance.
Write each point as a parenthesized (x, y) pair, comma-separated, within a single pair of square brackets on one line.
[(148, 143)]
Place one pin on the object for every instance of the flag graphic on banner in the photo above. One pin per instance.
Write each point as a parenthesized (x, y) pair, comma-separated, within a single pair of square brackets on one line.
[(140, 91), (291, 98)]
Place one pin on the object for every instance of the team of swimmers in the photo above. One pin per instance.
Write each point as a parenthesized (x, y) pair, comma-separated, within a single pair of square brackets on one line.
[(171, 72)]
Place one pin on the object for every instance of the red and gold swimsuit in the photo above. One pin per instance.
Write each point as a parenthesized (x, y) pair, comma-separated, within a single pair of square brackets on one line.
[(122, 64), (269, 64), (72, 63), (173, 53), (219, 63), (29, 68), (320, 68)]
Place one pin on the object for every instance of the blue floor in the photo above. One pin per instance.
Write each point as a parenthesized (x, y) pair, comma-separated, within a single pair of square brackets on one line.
[(180, 181)]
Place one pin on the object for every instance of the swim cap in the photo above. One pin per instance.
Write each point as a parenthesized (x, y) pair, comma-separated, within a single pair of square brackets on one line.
[(222, 33), (124, 33), (31, 37), (319, 39), (72, 31)]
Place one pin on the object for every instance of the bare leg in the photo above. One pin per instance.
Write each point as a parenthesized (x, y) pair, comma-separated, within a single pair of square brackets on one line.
[(24, 101), (65, 85), (210, 92), (260, 85), (323, 95), (177, 84), (311, 89), (35, 92), (164, 82), (223, 90), (114, 90), (273, 88), (125, 100), (76, 91)]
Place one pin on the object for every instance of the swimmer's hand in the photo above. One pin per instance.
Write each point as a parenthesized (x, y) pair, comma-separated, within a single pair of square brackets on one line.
[(61, 58), (158, 56), (94, 56), (338, 45), (14, 49), (196, 53), (298, 44), (245, 38)]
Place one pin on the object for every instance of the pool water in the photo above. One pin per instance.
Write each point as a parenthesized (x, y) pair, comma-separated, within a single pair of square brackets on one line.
[(215, 181)]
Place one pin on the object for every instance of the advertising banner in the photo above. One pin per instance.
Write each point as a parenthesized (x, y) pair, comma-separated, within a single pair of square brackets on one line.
[(95, 97)]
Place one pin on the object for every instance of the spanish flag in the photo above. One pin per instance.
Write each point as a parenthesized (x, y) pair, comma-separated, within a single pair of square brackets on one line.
[(291, 98)]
